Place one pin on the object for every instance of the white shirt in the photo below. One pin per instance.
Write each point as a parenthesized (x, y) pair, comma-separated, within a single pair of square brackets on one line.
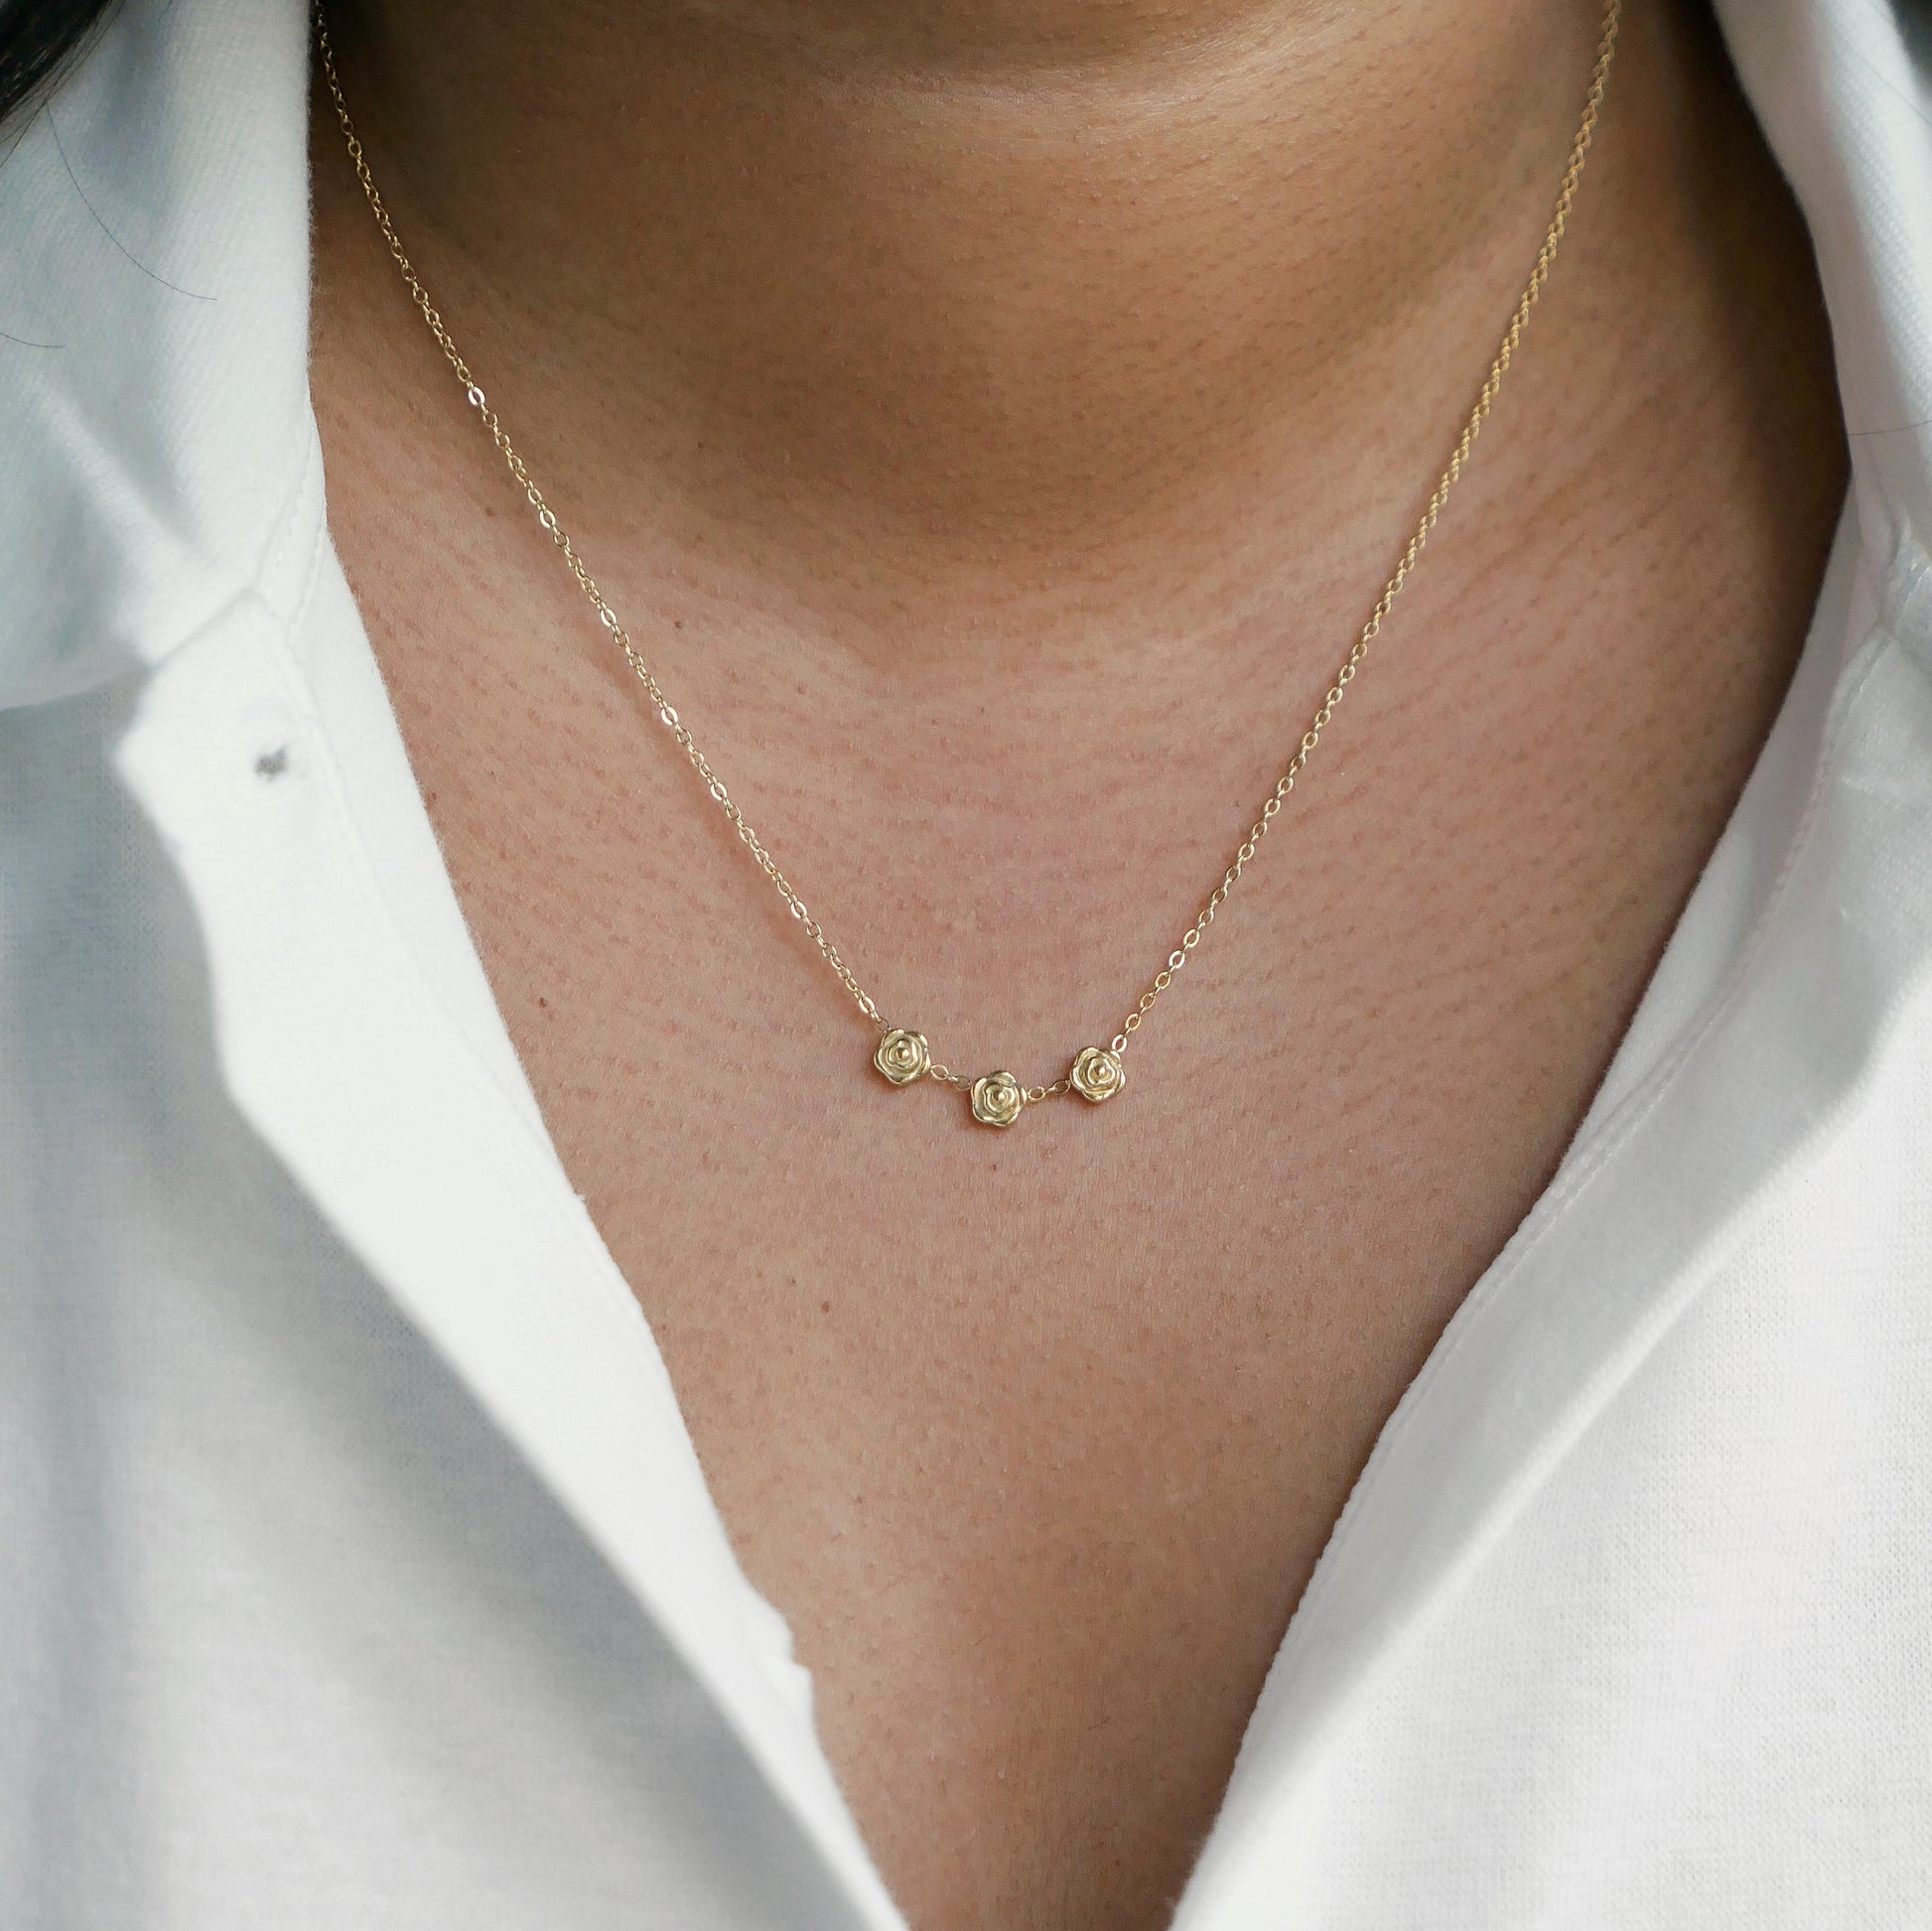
[(355, 1567)]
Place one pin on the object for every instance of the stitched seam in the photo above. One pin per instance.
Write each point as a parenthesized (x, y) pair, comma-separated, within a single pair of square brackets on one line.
[(278, 537)]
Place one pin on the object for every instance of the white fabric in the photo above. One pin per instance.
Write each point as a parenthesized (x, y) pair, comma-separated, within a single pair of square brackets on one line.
[(355, 1565)]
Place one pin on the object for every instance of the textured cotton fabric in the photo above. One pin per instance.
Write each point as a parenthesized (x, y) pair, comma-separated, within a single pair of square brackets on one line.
[(355, 1567)]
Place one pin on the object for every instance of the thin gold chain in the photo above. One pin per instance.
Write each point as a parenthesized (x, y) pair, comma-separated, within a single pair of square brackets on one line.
[(715, 786)]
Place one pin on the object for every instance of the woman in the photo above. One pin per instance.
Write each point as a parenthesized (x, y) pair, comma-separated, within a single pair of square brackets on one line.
[(465, 1265)]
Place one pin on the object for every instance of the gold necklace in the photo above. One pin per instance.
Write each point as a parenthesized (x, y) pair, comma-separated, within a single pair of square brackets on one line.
[(901, 1055)]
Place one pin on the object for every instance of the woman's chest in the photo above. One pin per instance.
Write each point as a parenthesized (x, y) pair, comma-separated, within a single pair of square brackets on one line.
[(1035, 1436)]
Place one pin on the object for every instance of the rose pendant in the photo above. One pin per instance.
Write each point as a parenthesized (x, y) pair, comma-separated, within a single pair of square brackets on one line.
[(1097, 1074), (902, 1057), (998, 1100)]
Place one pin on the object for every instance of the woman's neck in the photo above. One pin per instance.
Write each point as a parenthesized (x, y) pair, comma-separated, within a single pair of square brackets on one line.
[(995, 305)]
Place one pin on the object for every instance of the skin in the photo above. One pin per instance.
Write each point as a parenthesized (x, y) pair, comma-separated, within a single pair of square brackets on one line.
[(994, 421)]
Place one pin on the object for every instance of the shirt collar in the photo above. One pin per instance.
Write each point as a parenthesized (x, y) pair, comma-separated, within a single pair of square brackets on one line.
[(1842, 90), (154, 407)]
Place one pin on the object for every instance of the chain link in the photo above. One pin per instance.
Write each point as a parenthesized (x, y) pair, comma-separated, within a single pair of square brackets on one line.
[(1419, 538), (715, 786)]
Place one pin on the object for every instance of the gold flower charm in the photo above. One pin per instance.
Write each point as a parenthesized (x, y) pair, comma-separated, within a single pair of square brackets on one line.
[(1097, 1074), (997, 1100), (902, 1057)]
